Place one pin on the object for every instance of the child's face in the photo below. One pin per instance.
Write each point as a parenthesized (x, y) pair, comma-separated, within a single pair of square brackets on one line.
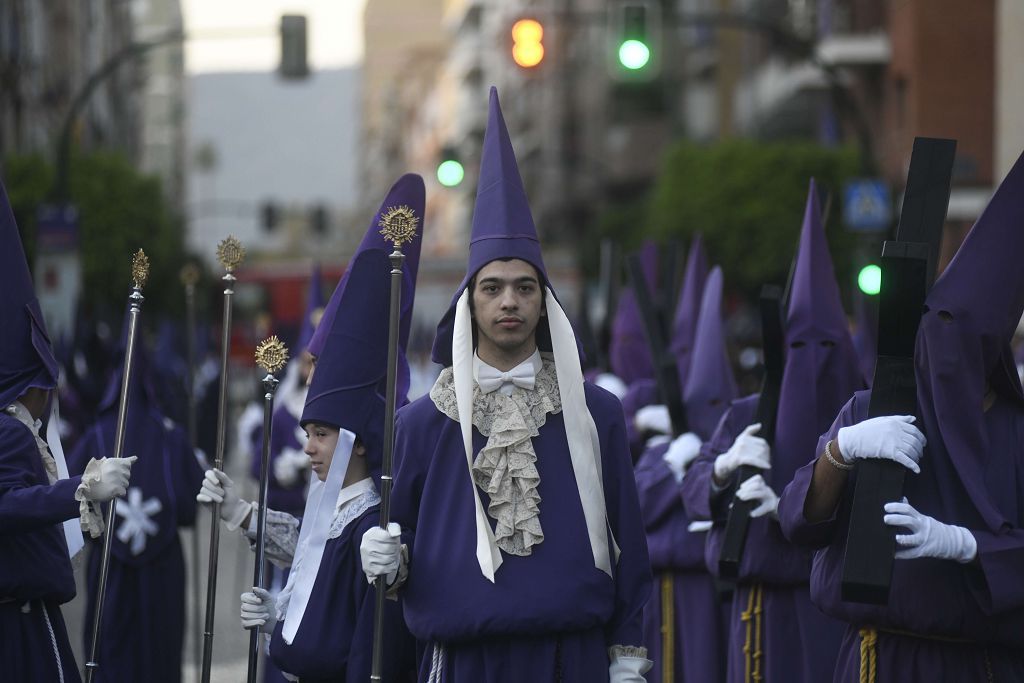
[(321, 440)]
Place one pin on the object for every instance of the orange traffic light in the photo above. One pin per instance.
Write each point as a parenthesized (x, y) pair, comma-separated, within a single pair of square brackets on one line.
[(527, 48)]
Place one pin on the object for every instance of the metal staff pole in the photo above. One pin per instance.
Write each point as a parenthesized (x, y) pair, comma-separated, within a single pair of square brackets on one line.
[(398, 227), (189, 278), (140, 272), (230, 253), (271, 355)]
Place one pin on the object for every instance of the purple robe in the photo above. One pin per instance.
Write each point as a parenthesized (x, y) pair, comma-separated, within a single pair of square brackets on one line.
[(547, 614), (944, 620), (144, 613), (35, 572), (798, 643), (334, 642), (677, 558)]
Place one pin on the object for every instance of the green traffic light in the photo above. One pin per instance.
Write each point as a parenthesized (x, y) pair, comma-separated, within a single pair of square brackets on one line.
[(634, 54), (450, 173), (869, 279)]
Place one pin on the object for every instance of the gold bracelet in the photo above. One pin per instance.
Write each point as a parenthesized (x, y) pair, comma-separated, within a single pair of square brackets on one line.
[(832, 461)]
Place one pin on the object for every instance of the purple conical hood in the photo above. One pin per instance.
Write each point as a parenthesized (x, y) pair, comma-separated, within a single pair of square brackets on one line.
[(822, 369), (348, 385), (963, 344), (684, 324), (503, 226), (26, 354), (629, 354), (314, 307), (711, 384)]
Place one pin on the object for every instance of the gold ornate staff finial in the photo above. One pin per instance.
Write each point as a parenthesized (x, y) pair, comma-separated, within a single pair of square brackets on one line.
[(189, 274), (230, 253), (398, 225), (140, 269), (271, 354)]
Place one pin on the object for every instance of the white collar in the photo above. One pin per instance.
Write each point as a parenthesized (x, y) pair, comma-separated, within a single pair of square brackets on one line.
[(353, 491), (19, 412)]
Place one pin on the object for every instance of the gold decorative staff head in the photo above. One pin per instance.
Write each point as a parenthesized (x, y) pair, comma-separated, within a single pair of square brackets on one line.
[(189, 274), (230, 253), (140, 269), (398, 225), (271, 354)]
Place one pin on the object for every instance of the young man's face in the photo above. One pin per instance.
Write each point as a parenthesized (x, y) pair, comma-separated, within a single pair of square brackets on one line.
[(507, 306)]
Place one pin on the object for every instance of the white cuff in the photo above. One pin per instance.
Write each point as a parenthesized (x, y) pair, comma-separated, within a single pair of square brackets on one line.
[(238, 515), (89, 515)]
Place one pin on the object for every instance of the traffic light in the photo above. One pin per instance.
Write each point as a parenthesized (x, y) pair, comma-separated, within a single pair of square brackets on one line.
[(269, 216), (528, 43), (450, 171), (319, 220), (634, 30), (869, 279), (293, 47)]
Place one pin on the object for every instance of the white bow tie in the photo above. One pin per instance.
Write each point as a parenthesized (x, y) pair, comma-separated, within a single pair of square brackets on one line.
[(489, 379)]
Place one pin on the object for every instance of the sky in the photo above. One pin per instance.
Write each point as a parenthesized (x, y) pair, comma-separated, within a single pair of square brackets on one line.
[(334, 40)]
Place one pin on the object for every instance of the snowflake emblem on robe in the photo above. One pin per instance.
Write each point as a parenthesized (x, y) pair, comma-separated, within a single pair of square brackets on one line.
[(137, 522)]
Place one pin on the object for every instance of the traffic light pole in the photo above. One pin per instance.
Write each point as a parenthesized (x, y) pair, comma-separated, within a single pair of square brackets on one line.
[(61, 191)]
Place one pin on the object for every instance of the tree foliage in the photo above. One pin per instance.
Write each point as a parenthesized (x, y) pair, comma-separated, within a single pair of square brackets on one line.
[(747, 198), (120, 210)]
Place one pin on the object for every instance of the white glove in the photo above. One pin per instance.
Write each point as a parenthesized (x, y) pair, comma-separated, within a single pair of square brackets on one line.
[(929, 537), (890, 437), (653, 419), (380, 552), (218, 488), (699, 526), (289, 466), (628, 669), (259, 610), (747, 449), (757, 489), (683, 450), (114, 474)]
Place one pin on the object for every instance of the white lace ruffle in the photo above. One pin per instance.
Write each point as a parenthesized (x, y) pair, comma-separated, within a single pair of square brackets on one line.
[(505, 468), (91, 518), (343, 516)]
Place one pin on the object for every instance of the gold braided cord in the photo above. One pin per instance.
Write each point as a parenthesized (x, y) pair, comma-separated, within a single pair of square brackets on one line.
[(746, 616), (868, 655), (758, 651), (668, 629)]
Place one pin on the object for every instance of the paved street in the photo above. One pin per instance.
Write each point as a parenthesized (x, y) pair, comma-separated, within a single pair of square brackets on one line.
[(230, 642)]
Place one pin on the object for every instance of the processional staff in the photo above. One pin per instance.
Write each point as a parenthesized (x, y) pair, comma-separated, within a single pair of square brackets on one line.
[(189, 277), (398, 226), (272, 356), (230, 253), (140, 272)]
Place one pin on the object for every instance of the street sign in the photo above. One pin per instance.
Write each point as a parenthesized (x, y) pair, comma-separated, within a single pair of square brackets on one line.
[(867, 206), (56, 228)]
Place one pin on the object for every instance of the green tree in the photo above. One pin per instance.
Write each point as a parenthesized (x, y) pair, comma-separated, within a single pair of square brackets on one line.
[(120, 210), (747, 198)]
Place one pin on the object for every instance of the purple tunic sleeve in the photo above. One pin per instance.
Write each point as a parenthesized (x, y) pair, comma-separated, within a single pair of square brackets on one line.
[(795, 526), (656, 486), (1001, 561), (25, 503)]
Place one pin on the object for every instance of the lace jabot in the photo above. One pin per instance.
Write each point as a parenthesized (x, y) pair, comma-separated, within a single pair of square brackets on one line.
[(505, 468)]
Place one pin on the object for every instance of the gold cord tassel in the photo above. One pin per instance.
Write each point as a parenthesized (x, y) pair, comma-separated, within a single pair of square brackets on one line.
[(758, 651), (868, 655), (668, 628)]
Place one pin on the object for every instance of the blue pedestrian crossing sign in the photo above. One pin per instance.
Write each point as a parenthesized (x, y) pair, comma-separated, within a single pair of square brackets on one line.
[(867, 206)]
